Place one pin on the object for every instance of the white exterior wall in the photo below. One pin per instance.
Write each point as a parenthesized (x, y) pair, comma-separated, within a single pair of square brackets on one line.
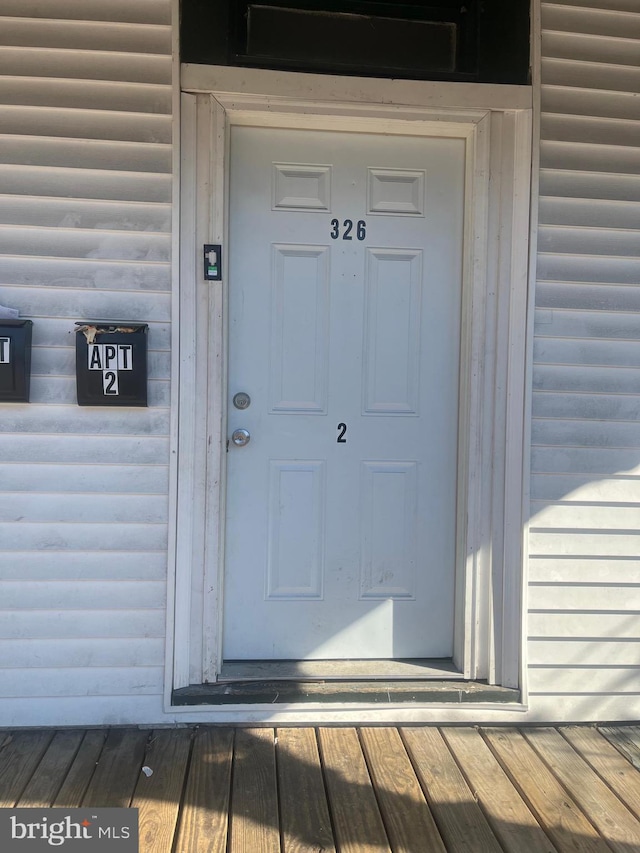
[(85, 231), (584, 568), (85, 221)]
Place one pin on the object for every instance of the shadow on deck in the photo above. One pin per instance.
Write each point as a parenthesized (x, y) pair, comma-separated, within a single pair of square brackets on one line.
[(279, 790)]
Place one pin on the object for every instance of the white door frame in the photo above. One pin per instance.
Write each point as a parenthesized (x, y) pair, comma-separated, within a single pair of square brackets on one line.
[(495, 121)]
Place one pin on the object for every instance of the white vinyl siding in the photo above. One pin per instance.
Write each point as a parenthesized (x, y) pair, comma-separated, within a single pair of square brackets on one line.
[(85, 233), (584, 568)]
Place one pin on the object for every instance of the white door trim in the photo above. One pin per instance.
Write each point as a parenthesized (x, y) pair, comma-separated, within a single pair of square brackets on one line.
[(488, 637)]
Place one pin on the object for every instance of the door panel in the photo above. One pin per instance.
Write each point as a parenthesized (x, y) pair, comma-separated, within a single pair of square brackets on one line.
[(344, 329)]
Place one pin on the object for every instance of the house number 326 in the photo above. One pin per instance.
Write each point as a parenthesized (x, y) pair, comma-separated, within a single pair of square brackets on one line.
[(361, 229)]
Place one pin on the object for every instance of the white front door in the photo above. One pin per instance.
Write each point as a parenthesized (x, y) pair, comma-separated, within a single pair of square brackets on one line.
[(345, 269)]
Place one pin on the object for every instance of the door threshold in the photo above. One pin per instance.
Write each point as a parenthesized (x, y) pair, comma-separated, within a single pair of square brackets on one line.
[(364, 692), (410, 669)]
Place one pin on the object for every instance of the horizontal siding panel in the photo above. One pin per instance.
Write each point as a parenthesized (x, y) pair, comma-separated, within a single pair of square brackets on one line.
[(93, 449), (580, 19), (575, 516), (586, 460), (590, 48), (61, 361), (98, 710), (584, 541), (78, 537), (82, 594), (85, 421), (547, 404), (588, 241), (590, 185), (585, 653), (86, 94), (600, 76), (591, 379), (85, 109), (588, 212), (89, 184), (78, 304), (86, 35), (580, 487), (69, 478), (598, 597), (559, 544), (588, 268), (60, 390), (53, 281), (115, 186), (133, 11), (589, 157), (586, 129), (584, 570), (588, 324), (93, 507), (586, 433), (25, 61), (137, 246), (613, 5), (68, 124), (587, 626), (76, 624), (86, 124), (590, 102), (90, 565), (587, 296), (584, 680), (84, 214), (85, 153), (71, 681), (139, 652)]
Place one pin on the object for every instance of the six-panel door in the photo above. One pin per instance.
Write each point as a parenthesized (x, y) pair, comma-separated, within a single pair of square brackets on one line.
[(345, 274)]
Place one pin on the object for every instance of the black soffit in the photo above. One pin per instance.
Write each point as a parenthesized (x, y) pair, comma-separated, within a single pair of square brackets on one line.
[(486, 42)]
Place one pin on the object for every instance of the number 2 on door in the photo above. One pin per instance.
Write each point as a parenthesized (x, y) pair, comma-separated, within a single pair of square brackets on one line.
[(342, 434)]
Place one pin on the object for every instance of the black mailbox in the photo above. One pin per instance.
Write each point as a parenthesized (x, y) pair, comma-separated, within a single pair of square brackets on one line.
[(15, 360), (111, 364)]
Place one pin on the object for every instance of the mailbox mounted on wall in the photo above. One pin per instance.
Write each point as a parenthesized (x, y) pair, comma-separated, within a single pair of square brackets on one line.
[(15, 360), (111, 363)]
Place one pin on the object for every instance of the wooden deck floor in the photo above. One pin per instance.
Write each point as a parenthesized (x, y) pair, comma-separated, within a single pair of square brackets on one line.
[(411, 789)]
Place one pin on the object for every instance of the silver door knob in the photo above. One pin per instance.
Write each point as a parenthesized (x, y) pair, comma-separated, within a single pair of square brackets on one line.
[(240, 437)]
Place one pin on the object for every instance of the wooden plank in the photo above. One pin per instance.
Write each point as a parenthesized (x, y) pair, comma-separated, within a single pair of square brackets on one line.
[(115, 778), (460, 820), (605, 759), (254, 800), (510, 819), (558, 814), (204, 817), (20, 754), (626, 739), (304, 813), (77, 780), (358, 826), (406, 814), (157, 796), (52, 770), (606, 812)]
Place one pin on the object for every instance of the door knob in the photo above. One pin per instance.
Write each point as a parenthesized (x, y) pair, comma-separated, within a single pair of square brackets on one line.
[(240, 437)]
